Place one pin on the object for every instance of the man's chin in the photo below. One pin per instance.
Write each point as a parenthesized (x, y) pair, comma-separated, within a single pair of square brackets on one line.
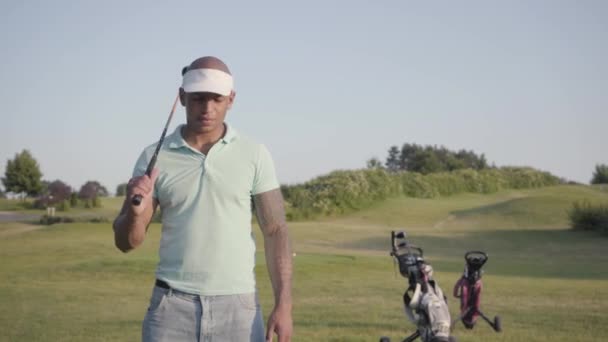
[(202, 128)]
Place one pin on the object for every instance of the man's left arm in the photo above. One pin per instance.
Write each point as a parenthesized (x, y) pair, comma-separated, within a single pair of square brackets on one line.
[(271, 217)]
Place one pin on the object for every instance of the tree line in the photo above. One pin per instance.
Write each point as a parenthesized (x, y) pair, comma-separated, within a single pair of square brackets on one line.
[(22, 176), (431, 159), (428, 159)]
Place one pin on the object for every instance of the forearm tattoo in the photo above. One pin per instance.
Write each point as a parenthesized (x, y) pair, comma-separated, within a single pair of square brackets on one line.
[(271, 218), (270, 211)]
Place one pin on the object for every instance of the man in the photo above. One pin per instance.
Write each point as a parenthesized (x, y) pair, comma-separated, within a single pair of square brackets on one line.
[(205, 177)]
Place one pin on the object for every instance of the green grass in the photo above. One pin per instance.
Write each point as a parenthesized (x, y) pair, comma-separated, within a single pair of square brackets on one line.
[(108, 209), (13, 204), (548, 283)]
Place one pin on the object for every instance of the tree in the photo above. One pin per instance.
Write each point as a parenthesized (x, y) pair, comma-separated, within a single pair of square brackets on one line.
[(392, 161), (54, 193), (121, 189), (408, 154), (2, 194), (426, 162), (91, 190), (374, 163), (59, 190), (600, 176), (23, 175)]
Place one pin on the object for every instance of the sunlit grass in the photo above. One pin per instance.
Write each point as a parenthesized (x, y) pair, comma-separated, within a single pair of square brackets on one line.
[(548, 283)]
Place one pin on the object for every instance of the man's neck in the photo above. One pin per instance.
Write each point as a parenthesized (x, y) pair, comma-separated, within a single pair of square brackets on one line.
[(203, 141)]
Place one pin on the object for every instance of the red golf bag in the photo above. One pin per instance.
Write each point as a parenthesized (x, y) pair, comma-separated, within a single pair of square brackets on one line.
[(468, 289)]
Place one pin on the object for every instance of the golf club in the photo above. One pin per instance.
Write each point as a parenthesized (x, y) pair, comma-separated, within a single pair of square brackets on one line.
[(136, 200)]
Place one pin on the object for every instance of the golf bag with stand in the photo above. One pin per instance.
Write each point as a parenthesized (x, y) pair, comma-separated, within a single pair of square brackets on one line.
[(424, 302), (468, 289)]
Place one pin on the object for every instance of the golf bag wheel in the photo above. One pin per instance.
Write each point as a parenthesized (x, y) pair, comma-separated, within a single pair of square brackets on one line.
[(385, 339), (497, 324)]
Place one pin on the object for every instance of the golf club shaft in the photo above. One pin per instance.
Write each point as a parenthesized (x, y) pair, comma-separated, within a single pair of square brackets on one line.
[(136, 200)]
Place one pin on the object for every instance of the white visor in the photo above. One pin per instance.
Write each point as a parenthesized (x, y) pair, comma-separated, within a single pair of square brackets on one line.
[(207, 80)]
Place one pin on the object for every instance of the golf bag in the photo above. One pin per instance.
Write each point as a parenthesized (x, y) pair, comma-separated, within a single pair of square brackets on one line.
[(468, 289), (424, 302)]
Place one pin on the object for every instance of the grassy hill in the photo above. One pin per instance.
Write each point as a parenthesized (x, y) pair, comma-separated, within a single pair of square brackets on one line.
[(548, 283)]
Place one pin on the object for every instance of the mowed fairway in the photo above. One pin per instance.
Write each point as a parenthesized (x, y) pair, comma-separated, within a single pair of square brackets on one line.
[(68, 282)]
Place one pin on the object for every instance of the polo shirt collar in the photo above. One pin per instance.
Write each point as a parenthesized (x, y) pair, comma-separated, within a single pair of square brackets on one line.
[(175, 140), (230, 134)]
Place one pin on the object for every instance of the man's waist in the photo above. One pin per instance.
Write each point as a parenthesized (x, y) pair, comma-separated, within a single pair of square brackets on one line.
[(207, 283)]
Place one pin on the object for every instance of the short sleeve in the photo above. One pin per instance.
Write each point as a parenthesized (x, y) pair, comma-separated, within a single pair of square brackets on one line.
[(141, 166), (265, 175)]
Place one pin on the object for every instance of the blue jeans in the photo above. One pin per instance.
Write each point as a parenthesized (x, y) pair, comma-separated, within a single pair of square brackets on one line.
[(178, 316)]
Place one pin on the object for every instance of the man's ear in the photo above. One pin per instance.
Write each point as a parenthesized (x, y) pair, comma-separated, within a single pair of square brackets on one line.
[(231, 98), (182, 97)]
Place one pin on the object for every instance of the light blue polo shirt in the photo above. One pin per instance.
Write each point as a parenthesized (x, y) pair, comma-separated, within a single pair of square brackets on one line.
[(207, 245)]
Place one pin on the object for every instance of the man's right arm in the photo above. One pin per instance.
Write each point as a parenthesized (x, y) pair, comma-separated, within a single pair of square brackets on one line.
[(132, 223)]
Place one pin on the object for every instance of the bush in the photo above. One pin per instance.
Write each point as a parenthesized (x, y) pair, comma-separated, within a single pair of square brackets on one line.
[(584, 216), (64, 205), (49, 220), (73, 200), (415, 185), (42, 202), (343, 191)]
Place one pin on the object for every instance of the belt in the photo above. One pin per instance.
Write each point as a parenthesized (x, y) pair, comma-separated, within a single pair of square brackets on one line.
[(189, 296), (162, 284)]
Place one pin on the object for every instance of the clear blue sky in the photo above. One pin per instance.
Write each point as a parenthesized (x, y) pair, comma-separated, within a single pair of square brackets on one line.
[(326, 85)]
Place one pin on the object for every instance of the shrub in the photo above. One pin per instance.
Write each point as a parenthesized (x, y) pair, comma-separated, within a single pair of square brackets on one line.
[(49, 220), (73, 199), (64, 205), (342, 191), (584, 216)]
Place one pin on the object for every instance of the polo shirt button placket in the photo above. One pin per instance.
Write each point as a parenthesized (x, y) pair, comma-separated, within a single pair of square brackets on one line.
[(205, 165)]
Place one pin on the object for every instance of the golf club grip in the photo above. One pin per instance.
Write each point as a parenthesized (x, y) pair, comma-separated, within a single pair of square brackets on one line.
[(136, 200)]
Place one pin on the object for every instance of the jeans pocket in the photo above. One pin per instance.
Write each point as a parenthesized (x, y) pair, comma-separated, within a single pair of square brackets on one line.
[(157, 299), (248, 301)]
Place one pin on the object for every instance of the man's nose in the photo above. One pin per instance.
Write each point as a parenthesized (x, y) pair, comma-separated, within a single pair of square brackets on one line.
[(207, 105)]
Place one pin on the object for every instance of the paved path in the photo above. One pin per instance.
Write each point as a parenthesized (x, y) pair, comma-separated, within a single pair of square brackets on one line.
[(13, 216)]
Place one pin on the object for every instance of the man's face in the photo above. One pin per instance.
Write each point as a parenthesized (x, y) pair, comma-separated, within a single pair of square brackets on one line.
[(205, 112)]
